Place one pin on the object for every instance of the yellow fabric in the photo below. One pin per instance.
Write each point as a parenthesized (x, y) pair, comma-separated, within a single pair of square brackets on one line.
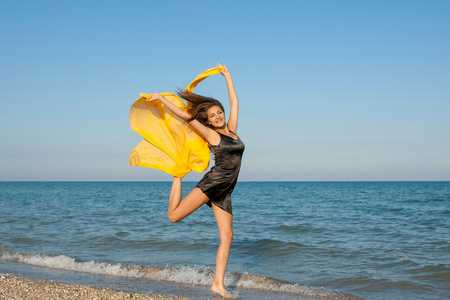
[(200, 77), (169, 144)]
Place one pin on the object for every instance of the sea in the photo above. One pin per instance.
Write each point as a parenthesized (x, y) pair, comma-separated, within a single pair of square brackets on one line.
[(292, 240)]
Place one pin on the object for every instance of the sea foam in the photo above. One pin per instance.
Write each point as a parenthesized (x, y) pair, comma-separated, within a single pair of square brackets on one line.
[(196, 275)]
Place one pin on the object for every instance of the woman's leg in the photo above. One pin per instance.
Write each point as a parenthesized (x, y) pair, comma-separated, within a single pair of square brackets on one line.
[(178, 210), (224, 222)]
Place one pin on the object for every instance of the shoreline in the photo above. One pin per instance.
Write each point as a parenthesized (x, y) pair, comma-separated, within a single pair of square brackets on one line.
[(14, 287)]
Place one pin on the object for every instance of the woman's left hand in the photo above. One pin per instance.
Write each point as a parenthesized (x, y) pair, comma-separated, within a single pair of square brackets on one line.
[(223, 72)]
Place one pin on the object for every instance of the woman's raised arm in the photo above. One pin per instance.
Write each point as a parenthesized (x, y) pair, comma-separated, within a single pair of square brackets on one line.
[(207, 133), (234, 102)]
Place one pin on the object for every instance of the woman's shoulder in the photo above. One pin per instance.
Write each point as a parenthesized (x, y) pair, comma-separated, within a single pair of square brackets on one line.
[(214, 138)]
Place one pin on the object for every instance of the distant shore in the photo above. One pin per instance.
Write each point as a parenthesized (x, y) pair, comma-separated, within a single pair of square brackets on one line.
[(13, 287)]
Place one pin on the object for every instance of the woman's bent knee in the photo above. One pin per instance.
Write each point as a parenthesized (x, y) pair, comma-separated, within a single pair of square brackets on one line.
[(173, 217)]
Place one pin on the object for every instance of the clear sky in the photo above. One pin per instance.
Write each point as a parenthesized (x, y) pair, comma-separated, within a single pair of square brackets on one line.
[(329, 90)]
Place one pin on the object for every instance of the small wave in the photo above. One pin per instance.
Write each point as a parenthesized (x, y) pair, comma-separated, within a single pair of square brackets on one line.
[(270, 247), (197, 275), (299, 229)]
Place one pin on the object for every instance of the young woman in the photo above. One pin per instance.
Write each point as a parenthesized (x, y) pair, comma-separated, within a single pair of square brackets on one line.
[(207, 117)]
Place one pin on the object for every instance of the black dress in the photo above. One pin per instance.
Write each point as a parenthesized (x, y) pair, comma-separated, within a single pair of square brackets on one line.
[(219, 182)]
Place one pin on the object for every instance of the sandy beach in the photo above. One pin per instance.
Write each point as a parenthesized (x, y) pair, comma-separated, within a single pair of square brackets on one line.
[(13, 287)]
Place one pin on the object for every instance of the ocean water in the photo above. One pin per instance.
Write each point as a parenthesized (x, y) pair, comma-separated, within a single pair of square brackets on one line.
[(292, 240)]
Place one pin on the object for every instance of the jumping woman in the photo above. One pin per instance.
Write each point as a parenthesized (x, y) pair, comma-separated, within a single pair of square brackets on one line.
[(207, 117)]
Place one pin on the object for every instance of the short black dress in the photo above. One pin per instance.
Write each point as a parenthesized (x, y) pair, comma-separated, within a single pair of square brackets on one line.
[(219, 182)]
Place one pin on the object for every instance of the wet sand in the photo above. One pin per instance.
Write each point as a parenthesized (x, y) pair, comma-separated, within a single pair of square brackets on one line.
[(13, 287)]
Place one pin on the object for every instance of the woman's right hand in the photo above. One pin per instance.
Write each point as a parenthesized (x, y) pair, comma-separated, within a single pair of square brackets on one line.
[(154, 97)]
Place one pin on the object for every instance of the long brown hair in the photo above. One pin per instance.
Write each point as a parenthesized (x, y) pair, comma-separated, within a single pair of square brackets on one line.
[(198, 106)]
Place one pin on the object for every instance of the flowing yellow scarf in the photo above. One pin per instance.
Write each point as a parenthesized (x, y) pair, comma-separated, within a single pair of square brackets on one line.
[(169, 144)]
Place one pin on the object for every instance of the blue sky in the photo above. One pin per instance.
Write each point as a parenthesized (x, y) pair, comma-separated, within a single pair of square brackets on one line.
[(329, 90)]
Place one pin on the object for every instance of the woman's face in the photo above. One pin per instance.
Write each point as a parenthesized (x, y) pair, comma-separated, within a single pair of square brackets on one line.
[(216, 116)]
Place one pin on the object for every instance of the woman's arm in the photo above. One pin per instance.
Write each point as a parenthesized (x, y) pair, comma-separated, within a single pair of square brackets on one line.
[(234, 102), (208, 134)]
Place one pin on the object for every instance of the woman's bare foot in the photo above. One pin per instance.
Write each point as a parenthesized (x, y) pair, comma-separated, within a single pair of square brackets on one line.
[(222, 292)]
